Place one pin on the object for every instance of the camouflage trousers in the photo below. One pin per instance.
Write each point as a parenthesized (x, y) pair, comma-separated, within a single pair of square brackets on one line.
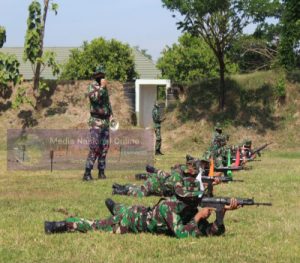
[(158, 139), (99, 145), (132, 219), (154, 185)]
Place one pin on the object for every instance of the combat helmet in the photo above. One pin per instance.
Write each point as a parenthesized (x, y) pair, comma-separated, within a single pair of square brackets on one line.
[(99, 71), (188, 188), (247, 143), (218, 127)]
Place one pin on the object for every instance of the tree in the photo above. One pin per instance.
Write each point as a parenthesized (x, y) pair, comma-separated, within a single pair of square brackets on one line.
[(188, 61), (34, 42), (218, 22), (9, 66), (2, 36), (252, 53), (290, 33), (117, 58)]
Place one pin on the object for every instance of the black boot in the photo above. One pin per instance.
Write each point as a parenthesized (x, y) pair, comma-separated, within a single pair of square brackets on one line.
[(101, 174), (87, 175), (158, 152), (55, 227), (120, 190), (150, 169), (110, 204), (141, 176), (115, 185)]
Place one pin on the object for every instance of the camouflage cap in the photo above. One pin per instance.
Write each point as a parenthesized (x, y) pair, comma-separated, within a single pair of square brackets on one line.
[(247, 143), (218, 126), (99, 71), (188, 187)]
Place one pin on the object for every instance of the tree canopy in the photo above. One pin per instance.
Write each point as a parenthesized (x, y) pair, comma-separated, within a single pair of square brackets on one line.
[(116, 57), (188, 61), (218, 23)]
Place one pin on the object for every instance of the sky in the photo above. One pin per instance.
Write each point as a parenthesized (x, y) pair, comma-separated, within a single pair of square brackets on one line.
[(143, 23)]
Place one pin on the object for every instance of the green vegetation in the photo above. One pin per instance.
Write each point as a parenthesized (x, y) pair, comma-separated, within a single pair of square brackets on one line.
[(9, 68), (117, 58), (34, 44), (190, 60), (290, 34), (219, 23)]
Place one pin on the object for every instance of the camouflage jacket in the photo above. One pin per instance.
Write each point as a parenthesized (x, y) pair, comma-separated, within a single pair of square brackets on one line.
[(176, 218), (156, 116), (100, 107)]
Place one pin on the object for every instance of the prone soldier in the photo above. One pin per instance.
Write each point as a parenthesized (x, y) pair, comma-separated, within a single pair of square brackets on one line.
[(178, 216)]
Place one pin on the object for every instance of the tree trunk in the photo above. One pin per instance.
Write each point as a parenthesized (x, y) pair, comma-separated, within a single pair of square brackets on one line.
[(222, 90), (37, 73)]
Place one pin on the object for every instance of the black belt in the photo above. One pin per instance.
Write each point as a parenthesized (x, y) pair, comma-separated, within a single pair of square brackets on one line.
[(99, 116)]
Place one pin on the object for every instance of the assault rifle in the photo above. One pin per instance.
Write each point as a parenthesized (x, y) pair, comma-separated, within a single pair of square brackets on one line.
[(223, 179), (209, 180), (259, 149), (219, 203), (225, 169)]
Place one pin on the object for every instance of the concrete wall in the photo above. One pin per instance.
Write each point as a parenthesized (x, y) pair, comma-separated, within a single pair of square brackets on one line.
[(148, 94), (145, 96)]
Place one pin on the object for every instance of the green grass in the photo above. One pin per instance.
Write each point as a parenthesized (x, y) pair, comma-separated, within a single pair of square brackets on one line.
[(254, 234)]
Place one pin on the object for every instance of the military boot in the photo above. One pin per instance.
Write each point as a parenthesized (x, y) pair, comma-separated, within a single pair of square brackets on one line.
[(101, 174), (55, 227), (151, 169), (158, 152), (110, 204), (123, 190), (115, 185), (87, 175)]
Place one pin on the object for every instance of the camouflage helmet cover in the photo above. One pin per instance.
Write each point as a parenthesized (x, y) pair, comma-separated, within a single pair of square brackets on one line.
[(99, 71), (218, 126), (188, 187), (247, 143)]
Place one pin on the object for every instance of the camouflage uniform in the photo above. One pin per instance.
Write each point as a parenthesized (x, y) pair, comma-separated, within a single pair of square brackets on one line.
[(160, 183), (156, 116), (170, 216), (100, 109)]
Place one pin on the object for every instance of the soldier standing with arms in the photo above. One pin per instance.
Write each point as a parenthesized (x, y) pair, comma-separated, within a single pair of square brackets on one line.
[(101, 114), (156, 116)]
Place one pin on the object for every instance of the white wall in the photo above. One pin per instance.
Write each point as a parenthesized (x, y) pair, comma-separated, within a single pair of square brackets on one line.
[(147, 100), (145, 96)]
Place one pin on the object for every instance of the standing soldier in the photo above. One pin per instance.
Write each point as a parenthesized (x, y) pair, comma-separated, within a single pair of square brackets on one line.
[(156, 116), (101, 113)]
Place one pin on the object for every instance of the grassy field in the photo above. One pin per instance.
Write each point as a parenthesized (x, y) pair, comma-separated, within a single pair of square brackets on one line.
[(254, 234)]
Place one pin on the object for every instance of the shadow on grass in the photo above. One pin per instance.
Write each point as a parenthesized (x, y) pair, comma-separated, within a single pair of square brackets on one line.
[(5, 93), (61, 108), (27, 118), (250, 108), (44, 100)]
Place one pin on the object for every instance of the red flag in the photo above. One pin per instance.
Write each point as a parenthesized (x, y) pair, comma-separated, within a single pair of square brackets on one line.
[(237, 157)]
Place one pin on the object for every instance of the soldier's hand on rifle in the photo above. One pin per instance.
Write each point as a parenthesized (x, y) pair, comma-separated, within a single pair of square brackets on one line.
[(216, 181), (233, 205), (204, 213)]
